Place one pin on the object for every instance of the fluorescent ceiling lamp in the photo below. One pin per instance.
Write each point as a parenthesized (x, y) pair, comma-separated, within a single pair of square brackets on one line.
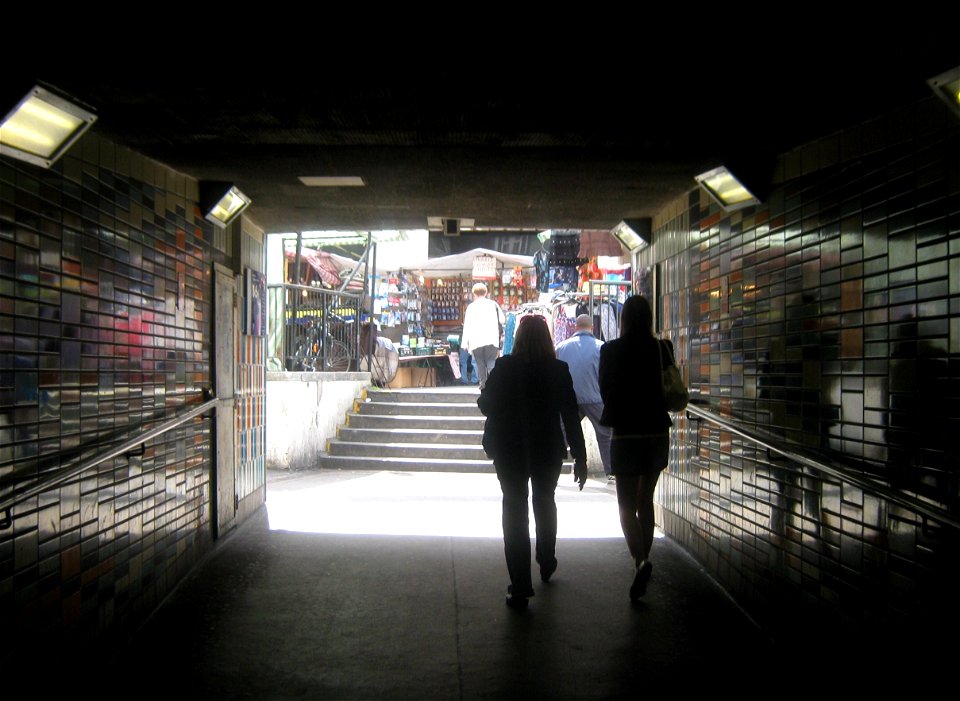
[(947, 87), (332, 180), (726, 189), (42, 127), (633, 233), (222, 202)]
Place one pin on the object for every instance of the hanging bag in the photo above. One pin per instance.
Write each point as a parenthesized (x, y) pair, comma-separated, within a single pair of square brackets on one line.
[(675, 395)]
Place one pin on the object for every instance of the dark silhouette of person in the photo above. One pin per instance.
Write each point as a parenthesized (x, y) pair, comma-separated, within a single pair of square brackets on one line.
[(526, 397), (922, 452), (632, 391)]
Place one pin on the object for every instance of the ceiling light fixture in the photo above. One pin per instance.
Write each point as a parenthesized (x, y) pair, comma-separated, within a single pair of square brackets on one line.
[(726, 189), (222, 202), (634, 234), (332, 181), (42, 127), (947, 88)]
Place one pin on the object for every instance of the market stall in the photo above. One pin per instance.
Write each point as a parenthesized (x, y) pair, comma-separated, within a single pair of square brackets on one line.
[(509, 279), (446, 290)]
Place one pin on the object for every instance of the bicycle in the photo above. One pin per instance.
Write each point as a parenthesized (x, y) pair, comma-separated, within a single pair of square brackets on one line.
[(321, 353)]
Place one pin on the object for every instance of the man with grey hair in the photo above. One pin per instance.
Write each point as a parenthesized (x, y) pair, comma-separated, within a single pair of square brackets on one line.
[(581, 352), (482, 324)]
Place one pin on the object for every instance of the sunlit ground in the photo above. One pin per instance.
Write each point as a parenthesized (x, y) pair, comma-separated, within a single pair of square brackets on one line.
[(426, 504)]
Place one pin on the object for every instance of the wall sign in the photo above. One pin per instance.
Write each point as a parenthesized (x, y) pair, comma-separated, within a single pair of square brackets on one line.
[(255, 309), (484, 268)]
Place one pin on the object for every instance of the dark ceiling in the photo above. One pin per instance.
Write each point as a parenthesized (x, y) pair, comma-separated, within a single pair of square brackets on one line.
[(575, 143)]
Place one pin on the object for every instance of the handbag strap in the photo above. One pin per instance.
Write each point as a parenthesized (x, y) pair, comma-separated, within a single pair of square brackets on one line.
[(662, 346)]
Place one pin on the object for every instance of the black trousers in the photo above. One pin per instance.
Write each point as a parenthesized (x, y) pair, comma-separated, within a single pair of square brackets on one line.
[(516, 520)]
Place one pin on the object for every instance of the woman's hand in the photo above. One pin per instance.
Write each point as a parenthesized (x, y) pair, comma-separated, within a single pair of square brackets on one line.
[(580, 472)]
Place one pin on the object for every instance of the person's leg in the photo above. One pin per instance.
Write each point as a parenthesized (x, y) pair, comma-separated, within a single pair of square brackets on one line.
[(472, 370), (604, 433), (544, 483), (657, 455), (516, 531), (480, 365), (627, 494), (646, 486), (464, 367), (484, 357)]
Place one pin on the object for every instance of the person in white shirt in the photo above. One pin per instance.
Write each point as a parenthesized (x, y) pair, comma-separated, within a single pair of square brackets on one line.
[(482, 324)]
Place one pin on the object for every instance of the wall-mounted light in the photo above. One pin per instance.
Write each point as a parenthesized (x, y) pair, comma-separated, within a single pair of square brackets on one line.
[(221, 202), (726, 189), (42, 127), (947, 88), (634, 233)]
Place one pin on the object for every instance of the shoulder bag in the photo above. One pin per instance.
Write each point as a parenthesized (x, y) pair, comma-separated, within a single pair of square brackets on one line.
[(675, 395)]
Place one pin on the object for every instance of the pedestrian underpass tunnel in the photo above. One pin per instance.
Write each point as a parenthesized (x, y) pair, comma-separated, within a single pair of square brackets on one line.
[(812, 478)]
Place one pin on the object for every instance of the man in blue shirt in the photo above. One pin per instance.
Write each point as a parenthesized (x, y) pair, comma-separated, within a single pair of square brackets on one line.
[(581, 352)]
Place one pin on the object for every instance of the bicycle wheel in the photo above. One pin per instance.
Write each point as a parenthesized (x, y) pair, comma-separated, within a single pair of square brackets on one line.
[(337, 356)]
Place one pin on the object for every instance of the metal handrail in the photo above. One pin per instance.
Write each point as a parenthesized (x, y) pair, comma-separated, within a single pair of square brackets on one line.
[(861, 481), (318, 290), (68, 473)]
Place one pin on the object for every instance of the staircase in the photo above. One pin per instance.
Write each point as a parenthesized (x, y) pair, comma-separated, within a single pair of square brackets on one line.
[(425, 430)]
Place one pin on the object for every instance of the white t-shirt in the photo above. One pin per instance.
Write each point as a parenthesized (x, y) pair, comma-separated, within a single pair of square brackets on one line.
[(481, 324)]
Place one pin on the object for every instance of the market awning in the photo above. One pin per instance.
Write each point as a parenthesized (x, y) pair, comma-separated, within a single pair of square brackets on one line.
[(330, 267), (463, 262)]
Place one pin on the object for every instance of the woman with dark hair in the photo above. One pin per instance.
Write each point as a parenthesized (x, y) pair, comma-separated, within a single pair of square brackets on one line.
[(630, 378), (527, 396)]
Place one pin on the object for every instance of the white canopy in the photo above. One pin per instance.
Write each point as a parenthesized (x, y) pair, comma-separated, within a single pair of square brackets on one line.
[(463, 262)]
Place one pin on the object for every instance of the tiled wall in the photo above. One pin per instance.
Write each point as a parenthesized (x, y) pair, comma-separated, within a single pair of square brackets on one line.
[(251, 386), (105, 325), (830, 317)]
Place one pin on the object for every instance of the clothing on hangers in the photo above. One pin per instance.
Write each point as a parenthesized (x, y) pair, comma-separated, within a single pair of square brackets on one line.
[(609, 325), (531, 308), (541, 263), (565, 322), (509, 330)]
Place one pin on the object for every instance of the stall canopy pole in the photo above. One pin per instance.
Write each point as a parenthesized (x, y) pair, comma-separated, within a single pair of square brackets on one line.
[(296, 276), (364, 260), (372, 281)]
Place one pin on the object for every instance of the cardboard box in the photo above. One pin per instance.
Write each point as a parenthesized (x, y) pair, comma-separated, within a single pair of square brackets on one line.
[(402, 379), (414, 377), (424, 377)]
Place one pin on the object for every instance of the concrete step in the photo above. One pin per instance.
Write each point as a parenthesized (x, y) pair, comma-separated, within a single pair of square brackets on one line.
[(344, 462), (424, 396), (418, 408), (410, 435), (341, 462), (437, 423), (411, 430), (440, 451)]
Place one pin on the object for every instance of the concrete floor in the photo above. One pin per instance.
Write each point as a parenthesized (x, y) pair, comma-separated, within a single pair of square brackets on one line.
[(307, 602)]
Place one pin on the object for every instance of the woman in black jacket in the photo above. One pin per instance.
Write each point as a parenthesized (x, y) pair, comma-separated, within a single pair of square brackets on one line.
[(527, 395), (631, 387)]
